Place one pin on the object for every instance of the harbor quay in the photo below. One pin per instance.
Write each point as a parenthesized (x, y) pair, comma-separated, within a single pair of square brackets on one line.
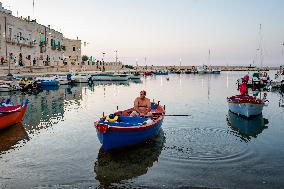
[(83, 67), (193, 67)]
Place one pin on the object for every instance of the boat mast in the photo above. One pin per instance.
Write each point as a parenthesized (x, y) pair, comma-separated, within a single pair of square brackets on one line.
[(209, 54), (260, 47)]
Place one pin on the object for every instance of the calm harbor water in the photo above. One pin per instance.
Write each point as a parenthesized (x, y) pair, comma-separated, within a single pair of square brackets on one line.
[(57, 147)]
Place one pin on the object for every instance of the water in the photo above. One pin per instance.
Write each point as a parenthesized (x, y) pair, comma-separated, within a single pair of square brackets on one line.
[(57, 147)]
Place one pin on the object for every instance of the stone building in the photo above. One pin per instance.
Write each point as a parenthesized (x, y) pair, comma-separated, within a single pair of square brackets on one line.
[(27, 46), (72, 54), (24, 40)]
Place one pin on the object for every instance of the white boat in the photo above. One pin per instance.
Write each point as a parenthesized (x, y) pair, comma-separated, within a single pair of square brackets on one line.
[(135, 76), (5, 87), (202, 69), (247, 106), (62, 80), (110, 77), (278, 80), (81, 78)]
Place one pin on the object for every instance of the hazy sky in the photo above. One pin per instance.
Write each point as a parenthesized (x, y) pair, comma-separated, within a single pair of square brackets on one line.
[(166, 30)]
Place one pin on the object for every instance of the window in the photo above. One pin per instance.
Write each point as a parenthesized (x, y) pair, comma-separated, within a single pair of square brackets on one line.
[(10, 33), (20, 35), (74, 48)]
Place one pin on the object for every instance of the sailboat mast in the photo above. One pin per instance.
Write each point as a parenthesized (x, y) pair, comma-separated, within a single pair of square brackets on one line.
[(260, 46), (209, 54)]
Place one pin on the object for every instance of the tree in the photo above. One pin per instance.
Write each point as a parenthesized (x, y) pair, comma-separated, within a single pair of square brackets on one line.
[(85, 58)]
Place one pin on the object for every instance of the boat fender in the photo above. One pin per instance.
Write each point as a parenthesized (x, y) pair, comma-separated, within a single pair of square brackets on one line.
[(112, 118)]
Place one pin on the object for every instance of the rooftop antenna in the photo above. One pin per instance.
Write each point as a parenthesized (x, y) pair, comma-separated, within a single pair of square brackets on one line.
[(33, 8)]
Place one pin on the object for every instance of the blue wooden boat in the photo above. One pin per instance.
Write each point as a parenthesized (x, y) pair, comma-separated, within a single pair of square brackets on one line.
[(124, 130), (49, 83)]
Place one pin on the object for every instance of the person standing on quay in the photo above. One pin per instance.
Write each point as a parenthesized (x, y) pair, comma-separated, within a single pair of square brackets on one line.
[(34, 62)]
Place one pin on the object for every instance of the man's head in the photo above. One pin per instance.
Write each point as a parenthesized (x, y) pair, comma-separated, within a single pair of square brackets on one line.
[(142, 94)]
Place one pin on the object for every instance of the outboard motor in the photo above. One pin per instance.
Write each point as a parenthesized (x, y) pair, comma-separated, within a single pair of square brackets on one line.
[(69, 77), (90, 81)]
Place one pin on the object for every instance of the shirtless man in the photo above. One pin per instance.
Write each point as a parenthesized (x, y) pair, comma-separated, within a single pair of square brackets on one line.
[(142, 105)]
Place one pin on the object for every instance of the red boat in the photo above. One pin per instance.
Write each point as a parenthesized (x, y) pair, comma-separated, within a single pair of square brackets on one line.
[(11, 115), (148, 73)]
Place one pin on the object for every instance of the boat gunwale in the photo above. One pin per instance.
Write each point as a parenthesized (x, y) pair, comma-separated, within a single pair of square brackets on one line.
[(134, 127)]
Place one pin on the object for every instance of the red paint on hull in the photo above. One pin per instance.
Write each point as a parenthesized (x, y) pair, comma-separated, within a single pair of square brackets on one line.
[(8, 119)]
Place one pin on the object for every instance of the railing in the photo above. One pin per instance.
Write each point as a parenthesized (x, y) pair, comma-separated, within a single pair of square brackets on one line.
[(20, 42)]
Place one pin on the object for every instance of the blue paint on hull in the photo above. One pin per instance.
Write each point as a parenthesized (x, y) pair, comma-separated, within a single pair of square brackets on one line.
[(119, 139)]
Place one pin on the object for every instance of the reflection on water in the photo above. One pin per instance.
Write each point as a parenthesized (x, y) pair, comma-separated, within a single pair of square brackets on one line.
[(136, 81), (97, 83), (11, 136), (246, 128), (281, 100), (200, 150), (44, 110), (116, 166), (48, 107)]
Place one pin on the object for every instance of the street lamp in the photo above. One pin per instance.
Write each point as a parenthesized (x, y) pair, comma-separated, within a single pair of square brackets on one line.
[(103, 56), (116, 56)]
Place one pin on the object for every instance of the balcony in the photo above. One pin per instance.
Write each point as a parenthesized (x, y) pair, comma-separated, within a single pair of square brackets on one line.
[(20, 42)]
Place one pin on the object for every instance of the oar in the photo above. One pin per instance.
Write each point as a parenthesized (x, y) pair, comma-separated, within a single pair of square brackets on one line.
[(182, 115)]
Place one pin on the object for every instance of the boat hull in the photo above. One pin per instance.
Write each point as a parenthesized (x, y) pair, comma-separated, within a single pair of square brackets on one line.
[(105, 78), (246, 109), (119, 139), (49, 83), (129, 130), (5, 89), (8, 119)]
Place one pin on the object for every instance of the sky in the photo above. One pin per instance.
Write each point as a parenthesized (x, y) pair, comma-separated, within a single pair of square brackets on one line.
[(167, 32)]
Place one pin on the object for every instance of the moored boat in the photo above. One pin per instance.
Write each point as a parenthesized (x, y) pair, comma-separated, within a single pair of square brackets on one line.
[(124, 130), (161, 72), (216, 71), (135, 76), (5, 88), (148, 73), (10, 115), (63, 80), (110, 77), (47, 81), (245, 105), (81, 78)]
